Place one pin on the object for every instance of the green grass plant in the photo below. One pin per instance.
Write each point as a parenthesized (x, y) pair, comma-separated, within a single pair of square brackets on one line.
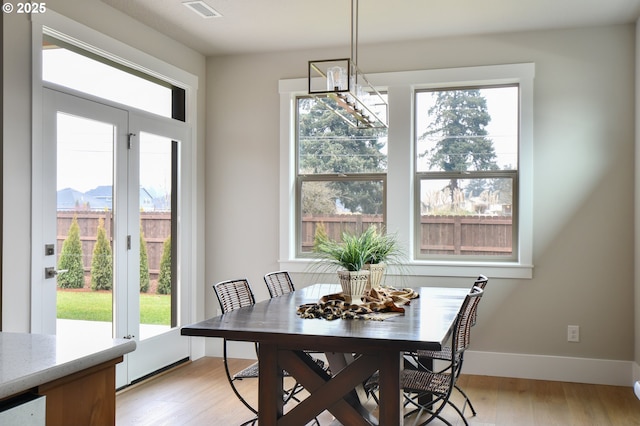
[(97, 306)]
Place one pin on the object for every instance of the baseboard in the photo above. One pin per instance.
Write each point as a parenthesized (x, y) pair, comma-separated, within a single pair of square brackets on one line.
[(555, 368), (523, 366)]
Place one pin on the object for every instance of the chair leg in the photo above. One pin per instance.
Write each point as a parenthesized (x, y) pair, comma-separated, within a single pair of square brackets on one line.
[(251, 422), (467, 401), (231, 380)]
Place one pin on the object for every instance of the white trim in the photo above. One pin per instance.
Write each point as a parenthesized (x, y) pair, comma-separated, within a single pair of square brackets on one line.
[(556, 368), (65, 29), (400, 85)]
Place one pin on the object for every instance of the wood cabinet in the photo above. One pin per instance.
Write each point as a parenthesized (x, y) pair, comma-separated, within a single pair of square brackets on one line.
[(87, 397)]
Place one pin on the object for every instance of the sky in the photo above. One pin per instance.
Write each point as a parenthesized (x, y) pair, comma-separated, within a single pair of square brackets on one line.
[(502, 105)]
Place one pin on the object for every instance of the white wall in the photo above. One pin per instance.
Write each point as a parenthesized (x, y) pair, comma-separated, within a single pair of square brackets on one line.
[(17, 138), (583, 183)]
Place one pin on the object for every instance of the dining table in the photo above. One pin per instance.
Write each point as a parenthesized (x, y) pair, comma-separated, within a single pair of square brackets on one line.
[(285, 341)]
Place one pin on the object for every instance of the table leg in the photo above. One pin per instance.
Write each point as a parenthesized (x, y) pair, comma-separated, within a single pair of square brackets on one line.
[(390, 394), (270, 387)]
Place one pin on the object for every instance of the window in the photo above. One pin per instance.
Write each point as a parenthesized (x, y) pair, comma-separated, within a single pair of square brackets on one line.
[(459, 198), (78, 69), (341, 174), (466, 166)]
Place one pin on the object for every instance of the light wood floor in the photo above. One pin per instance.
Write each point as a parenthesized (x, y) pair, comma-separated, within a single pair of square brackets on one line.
[(198, 394)]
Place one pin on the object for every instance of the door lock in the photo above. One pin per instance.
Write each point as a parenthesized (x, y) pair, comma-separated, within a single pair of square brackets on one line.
[(51, 272)]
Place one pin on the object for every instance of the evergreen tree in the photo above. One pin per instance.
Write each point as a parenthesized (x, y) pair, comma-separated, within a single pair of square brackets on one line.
[(144, 264), (328, 145), (164, 279), (71, 259), (459, 124), (102, 261)]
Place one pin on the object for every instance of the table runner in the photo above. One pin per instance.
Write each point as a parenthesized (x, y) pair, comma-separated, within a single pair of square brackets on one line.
[(378, 304)]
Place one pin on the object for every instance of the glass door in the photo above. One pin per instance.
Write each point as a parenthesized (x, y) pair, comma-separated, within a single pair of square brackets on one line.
[(157, 300), (110, 196)]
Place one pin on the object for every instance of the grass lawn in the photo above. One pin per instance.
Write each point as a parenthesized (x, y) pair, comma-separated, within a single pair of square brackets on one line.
[(97, 306)]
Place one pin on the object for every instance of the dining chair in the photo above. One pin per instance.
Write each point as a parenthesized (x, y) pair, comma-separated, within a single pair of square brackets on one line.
[(232, 295), (278, 283), (428, 391), (425, 359)]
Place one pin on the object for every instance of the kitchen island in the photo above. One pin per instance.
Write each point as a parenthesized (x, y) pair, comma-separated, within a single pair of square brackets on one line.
[(77, 376)]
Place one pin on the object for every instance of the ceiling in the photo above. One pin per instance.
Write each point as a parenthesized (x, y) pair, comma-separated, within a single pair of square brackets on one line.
[(251, 26)]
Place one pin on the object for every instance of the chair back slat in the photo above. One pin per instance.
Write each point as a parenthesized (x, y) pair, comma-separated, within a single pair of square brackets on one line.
[(464, 321), (234, 294), (480, 282), (279, 283)]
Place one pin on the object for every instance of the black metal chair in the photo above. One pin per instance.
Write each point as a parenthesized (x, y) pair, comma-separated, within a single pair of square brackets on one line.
[(419, 357), (235, 294), (430, 392), (425, 359)]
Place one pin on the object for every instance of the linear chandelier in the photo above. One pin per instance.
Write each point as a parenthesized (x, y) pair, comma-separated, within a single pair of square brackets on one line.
[(344, 89)]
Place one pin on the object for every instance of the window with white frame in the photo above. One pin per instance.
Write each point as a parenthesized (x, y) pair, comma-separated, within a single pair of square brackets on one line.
[(452, 176), (340, 174), (466, 153)]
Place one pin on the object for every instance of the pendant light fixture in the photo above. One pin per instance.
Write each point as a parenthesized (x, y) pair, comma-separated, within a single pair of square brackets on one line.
[(344, 89)]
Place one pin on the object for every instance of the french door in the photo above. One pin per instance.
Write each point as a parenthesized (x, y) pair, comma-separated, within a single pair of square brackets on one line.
[(110, 207)]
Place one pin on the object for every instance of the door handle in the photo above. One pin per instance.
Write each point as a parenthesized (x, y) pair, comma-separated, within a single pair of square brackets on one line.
[(51, 272)]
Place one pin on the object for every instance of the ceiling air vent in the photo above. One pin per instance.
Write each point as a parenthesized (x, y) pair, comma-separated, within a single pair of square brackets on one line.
[(202, 9)]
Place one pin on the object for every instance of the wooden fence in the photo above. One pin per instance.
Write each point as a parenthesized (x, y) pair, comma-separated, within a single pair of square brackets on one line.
[(459, 235), (156, 228)]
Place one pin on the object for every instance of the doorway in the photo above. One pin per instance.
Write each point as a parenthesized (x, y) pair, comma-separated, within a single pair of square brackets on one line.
[(110, 203)]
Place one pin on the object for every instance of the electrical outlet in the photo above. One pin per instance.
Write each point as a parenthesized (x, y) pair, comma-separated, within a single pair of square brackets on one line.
[(573, 333)]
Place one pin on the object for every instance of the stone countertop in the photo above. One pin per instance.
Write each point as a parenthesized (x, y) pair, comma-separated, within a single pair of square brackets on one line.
[(29, 360)]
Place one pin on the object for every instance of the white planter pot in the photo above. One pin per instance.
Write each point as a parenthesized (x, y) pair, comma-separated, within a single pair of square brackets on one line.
[(354, 284), (376, 273)]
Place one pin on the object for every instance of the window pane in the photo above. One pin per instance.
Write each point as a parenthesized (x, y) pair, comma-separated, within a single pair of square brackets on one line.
[(85, 224), (466, 217), (70, 69), (328, 145), (467, 129), (155, 235), (339, 206)]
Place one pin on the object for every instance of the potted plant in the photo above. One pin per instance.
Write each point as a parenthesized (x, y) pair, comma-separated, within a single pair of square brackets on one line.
[(349, 256), (383, 248)]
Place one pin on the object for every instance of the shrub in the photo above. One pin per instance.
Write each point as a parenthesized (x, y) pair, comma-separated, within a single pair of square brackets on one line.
[(102, 262), (71, 259), (164, 280), (144, 264)]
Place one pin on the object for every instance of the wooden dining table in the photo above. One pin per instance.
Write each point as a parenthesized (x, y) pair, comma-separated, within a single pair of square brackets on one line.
[(285, 340)]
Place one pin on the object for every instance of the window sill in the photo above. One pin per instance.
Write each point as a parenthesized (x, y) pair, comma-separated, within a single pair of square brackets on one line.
[(440, 269)]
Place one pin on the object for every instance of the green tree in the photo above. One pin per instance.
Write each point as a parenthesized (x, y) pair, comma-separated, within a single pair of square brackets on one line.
[(102, 261), (71, 259), (328, 145), (144, 264), (459, 124), (164, 279)]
